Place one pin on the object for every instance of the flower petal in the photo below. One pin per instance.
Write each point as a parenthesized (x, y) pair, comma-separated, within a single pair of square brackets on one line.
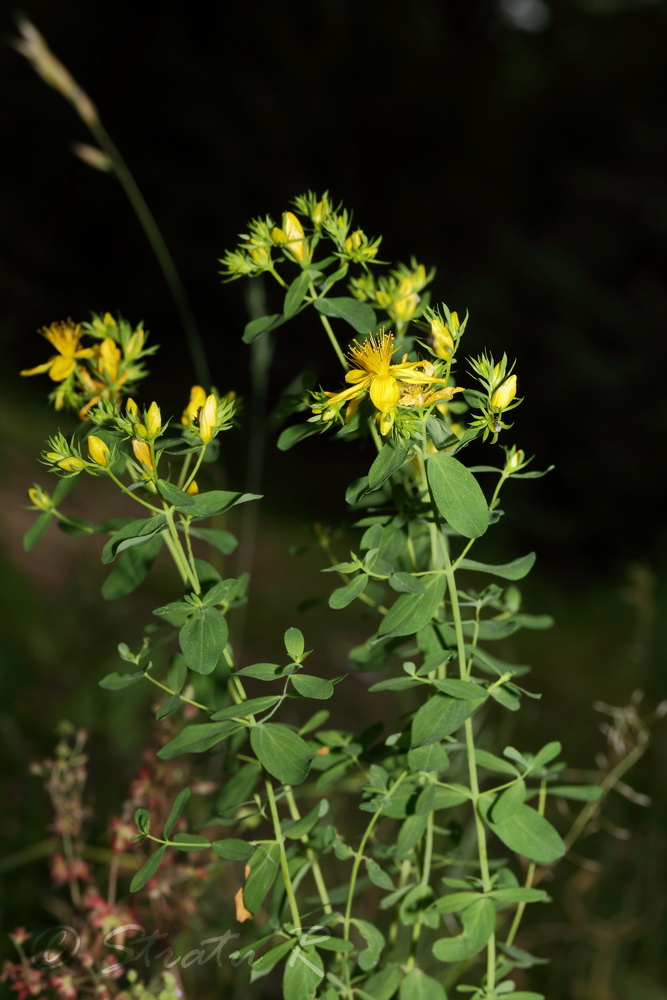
[(385, 392)]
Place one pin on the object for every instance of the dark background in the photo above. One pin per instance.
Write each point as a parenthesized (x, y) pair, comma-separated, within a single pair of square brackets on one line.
[(518, 146)]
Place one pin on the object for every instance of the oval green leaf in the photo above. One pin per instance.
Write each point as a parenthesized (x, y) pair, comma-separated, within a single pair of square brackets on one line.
[(458, 495), (281, 752)]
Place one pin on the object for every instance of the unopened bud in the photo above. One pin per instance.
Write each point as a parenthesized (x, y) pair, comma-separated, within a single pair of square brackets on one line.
[(516, 461), (208, 419), (153, 419), (504, 394), (193, 489), (142, 453), (98, 449), (39, 498)]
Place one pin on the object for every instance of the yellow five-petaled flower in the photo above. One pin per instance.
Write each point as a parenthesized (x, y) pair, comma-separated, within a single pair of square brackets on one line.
[(65, 337), (373, 371)]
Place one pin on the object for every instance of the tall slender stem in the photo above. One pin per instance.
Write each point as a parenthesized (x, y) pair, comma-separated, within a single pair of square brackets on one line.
[(284, 867)]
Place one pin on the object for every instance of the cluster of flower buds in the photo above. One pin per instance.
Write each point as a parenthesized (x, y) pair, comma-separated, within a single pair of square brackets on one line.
[(396, 293), (296, 238), (500, 394)]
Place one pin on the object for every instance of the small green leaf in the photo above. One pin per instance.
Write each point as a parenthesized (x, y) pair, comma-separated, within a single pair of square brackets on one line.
[(406, 583), (432, 757), (256, 327), (343, 596), (281, 752), (375, 942), (493, 763), (176, 812), (579, 793), (382, 985), (116, 681), (233, 849), (304, 973), (168, 707), (411, 612), (378, 875), (37, 530), (148, 869), (263, 866), (359, 315), (295, 294), (297, 432), (142, 821), (294, 643), (135, 533), (545, 755), (246, 708), (461, 689), (198, 738), (515, 570), (390, 459), (508, 802), (456, 902), (297, 828), (441, 716), (203, 638), (202, 504), (478, 923), (220, 539), (418, 986), (520, 894), (312, 687), (527, 833), (458, 495)]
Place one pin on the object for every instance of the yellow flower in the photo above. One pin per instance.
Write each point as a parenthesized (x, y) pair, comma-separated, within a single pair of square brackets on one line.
[(197, 400), (504, 394), (422, 396), (99, 451), (65, 337), (142, 453), (373, 371), (320, 211), (208, 419)]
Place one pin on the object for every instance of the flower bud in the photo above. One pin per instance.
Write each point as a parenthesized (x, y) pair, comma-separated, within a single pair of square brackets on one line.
[(208, 419), (197, 400), (142, 453), (135, 345), (99, 451), (193, 489), (320, 211), (442, 341), (516, 461), (504, 394), (109, 358), (71, 464), (131, 408), (354, 241), (39, 498), (153, 419)]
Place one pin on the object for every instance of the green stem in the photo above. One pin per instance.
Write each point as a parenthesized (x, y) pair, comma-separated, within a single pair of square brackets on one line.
[(132, 494), (159, 247), (482, 849), (171, 691), (310, 853), (329, 331), (278, 833), (178, 553)]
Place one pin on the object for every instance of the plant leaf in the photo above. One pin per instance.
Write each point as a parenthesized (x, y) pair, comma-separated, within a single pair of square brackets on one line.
[(458, 495)]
